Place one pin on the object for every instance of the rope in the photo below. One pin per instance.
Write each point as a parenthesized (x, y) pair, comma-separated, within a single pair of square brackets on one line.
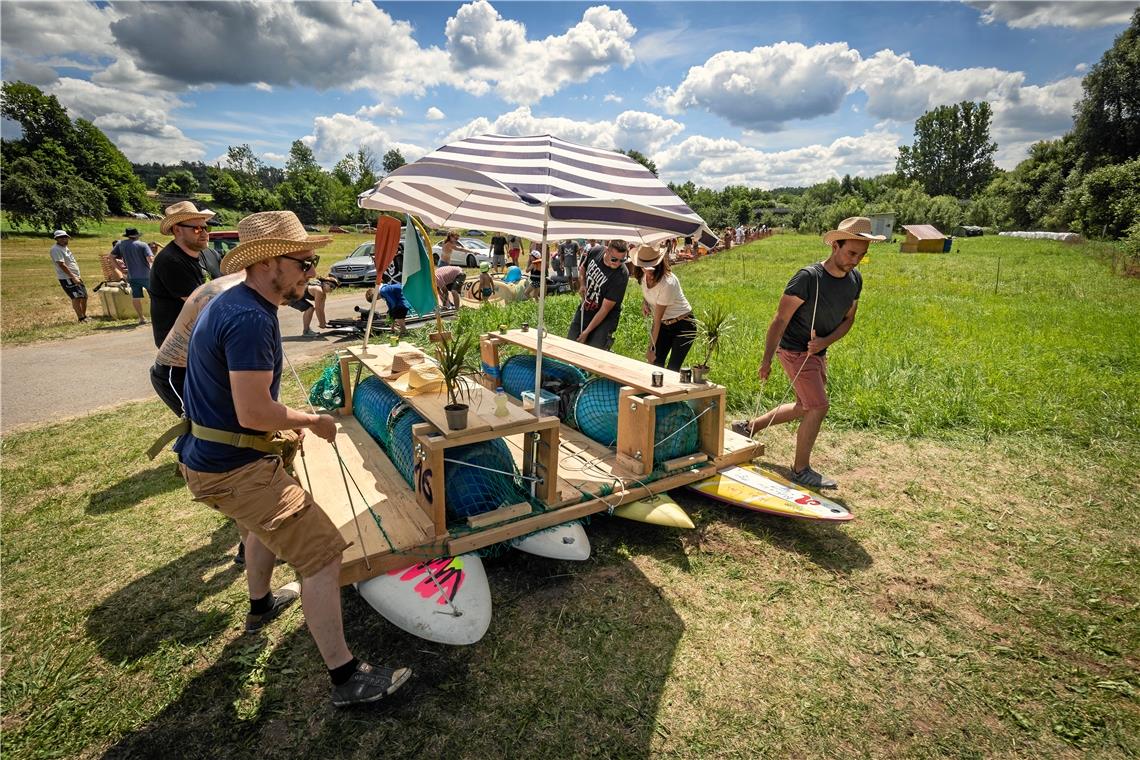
[(492, 469)]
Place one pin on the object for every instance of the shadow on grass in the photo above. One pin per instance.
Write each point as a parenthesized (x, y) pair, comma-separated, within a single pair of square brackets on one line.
[(134, 490), (574, 665), (161, 607)]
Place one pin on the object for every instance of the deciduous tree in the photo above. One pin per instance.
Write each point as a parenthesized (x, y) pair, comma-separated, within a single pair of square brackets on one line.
[(952, 152)]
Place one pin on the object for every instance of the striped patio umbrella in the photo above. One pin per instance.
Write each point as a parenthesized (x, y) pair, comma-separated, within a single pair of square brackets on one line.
[(540, 188)]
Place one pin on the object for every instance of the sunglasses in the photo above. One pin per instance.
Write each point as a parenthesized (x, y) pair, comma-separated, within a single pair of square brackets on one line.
[(616, 259), (196, 227), (305, 264)]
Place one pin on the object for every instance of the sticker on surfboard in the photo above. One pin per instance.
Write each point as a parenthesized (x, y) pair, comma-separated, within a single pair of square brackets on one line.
[(446, 600), (762, 490)]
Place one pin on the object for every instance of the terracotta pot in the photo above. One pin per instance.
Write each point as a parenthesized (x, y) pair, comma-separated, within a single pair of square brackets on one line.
[(456, 416)]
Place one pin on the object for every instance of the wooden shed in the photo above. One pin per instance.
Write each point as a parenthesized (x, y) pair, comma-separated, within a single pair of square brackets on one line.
[(923, 238)]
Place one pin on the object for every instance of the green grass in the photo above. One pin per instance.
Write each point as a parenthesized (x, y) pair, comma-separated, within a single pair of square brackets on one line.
[(34, 308), (985, 603)]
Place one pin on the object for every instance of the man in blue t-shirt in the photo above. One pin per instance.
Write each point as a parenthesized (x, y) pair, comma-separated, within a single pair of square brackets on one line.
[(136, 255), (232, 463), (817, 309)]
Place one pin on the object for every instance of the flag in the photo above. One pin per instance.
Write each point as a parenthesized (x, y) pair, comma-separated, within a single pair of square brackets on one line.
[(419, 280), (386, 242)]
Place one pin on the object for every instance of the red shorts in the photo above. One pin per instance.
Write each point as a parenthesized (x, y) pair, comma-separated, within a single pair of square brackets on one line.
[(809, 379)]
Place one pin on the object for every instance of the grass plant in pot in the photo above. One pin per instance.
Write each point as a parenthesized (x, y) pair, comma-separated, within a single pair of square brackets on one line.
[(455, 355), (713, 324)]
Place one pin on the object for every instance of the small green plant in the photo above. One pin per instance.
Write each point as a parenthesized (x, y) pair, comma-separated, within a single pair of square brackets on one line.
[(713, 324), (456, 357)]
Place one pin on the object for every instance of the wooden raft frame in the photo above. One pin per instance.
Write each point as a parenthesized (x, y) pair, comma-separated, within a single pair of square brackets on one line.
[(390, 526)]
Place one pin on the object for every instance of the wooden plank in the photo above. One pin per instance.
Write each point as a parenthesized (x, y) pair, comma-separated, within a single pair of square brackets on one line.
[(489, 355), (346, 384), (498, 515), (547, 490), (636, 423), (737, 449), (428, 477), (681, 463), (710, 426), (473, 541)]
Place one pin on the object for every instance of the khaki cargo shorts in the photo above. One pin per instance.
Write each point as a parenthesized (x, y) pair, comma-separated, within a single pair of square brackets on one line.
[(267, 501)]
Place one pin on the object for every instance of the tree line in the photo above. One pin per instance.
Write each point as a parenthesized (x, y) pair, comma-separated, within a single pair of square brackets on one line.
[(60, 172)]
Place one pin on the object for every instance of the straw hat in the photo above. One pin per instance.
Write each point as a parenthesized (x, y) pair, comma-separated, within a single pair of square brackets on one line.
[(852, 228), (421, 378), (647, 257), (266, 235), (182, 211), (404, 361)]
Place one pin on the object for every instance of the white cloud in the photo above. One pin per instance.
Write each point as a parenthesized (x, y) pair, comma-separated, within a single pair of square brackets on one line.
[(611, 98), (898, 88), (1036, 113), (65, 28), (335, 136), (715, 163), (486, 48), (277, 159), (1028, 14), (379, 110), (631, 129), (433, 114), (1081, 68), (263, 86)]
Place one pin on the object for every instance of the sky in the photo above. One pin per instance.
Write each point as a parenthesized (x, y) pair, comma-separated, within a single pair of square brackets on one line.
[(763, 94)]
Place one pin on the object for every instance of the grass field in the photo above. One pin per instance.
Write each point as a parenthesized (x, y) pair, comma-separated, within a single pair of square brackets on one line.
[(986, 603), (32, 305)]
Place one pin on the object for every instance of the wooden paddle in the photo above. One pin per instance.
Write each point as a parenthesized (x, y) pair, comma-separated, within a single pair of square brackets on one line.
[(387, 242)]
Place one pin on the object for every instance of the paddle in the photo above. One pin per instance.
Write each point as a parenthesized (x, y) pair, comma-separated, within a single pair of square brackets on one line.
[(387, 242)]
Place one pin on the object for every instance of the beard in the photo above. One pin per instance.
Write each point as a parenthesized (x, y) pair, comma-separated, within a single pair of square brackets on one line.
[(288, 287)]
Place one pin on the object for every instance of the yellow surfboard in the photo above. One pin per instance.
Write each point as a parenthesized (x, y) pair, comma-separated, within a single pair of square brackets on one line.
[(656, 510), (753, 487)]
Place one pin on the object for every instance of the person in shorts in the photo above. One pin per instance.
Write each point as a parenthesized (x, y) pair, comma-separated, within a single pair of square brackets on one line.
[(499, 253), (67, 272), (137, 257), (486, 283), (817, 309), (569, 251), (449, 282), (233, 463)]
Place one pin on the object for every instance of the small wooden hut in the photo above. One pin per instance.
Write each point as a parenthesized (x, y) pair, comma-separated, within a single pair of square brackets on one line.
[(923, 238)]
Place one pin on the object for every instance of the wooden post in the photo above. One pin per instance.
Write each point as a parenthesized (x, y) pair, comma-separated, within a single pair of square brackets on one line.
[(489, 354), (346, 384), (428, 475), (711, 425), (637, 421), (547, 462)]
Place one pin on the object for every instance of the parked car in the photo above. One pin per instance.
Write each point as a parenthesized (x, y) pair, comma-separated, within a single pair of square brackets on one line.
[(360, 266), (480, 252), (223, 241), (476, 233)]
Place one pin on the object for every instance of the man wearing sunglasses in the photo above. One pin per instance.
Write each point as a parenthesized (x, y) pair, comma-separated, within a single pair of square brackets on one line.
[(236, 445), (604, 279), (176, 271)]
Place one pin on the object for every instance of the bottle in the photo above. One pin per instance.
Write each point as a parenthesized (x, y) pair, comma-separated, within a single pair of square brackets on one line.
[(501, 403)]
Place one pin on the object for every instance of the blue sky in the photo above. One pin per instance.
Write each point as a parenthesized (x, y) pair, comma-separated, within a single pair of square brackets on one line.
[(765, 94)]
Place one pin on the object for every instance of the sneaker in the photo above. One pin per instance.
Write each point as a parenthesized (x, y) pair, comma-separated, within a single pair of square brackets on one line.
[(741, 427), (239, 558), (282, 598), (142, 321), (369, 684), (812, 479), (309, 333)]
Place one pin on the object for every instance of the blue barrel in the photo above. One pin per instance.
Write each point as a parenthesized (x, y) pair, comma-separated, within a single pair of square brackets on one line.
[(596, 414), (518, 373), (471, 490), (400, 423), (372, 405)]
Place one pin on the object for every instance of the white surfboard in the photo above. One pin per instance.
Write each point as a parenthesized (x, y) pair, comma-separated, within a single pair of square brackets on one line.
[(567, 541), (446, 600)]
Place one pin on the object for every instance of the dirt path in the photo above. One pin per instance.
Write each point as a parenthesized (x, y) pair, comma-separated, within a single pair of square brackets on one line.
[(48, 382)]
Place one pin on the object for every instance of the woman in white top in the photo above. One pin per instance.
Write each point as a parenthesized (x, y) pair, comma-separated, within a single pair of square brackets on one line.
[(674, 328)]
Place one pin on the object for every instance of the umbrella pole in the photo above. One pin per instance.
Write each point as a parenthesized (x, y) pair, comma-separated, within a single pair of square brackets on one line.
[(541, 326)]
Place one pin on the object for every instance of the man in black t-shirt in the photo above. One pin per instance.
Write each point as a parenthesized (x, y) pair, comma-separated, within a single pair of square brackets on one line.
[(604, 279), (817, 309), (176, 271)]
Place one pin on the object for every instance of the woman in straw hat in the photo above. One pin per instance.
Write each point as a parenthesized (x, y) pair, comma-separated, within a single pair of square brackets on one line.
[(674, 328), (233, 374)]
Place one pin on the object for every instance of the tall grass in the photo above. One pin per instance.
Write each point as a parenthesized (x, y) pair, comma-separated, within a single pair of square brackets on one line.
[(942, 343)]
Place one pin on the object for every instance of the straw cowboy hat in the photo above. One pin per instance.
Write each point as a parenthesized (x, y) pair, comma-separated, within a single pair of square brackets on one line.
[(852, 228), (421, 378), (182, 211), (647, 257), (266, 235), (402, 362)]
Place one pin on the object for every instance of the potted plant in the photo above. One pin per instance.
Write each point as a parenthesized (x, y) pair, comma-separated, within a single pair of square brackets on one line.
[(712, 325), (455, 356)]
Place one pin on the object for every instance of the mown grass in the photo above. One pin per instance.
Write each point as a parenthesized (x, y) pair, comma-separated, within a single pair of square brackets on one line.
[(34, 308), (985, 604)]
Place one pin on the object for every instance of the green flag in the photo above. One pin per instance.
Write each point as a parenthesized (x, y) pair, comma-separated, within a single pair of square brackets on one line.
[(419, 284)]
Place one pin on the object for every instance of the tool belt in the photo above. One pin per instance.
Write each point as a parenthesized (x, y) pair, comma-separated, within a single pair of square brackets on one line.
[(675, 320), (282, 443)]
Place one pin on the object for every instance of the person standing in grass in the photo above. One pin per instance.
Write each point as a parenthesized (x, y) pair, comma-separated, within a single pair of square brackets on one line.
[(499, 253), (176, 271), (234, 446), (817, 309), (136, 255), (604, 280), (674, 328), (67, 272)]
